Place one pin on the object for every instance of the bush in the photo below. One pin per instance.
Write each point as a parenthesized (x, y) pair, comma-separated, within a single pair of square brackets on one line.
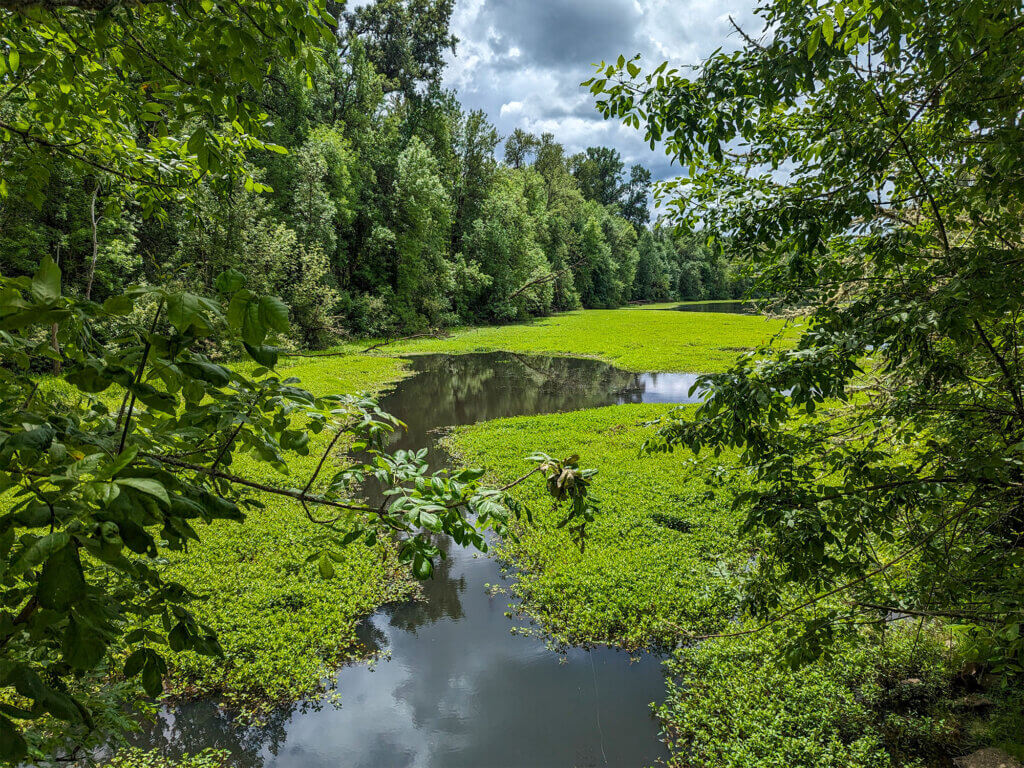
[(876, 702)]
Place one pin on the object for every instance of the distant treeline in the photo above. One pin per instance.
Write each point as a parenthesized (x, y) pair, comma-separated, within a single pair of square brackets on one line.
[(391, 210)]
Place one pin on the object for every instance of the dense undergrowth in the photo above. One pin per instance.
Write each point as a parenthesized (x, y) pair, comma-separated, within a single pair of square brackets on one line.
[(660, 566)]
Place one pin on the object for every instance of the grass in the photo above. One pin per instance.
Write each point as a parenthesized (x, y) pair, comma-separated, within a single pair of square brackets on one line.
[(650, 567), (283, 628), (635, 339)]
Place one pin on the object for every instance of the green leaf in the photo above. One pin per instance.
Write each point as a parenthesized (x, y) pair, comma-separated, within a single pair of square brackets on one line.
[(183, 310), (46, 282), (196, 142), (61, 583), (264, 355), (13, 748), (273, 313), (326, 568), (208, 372), (229, 281), (152, 678), (135, 662), (422, 567), (119, 305), (83, 646), (148, 486)]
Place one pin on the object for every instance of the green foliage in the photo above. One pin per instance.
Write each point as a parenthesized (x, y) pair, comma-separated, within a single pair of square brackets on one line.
[(870, 183), (282, 627), (503, 244), (657, 558), (634, 339), (871, 704), (82, 82), (421, 224), (96, 494)]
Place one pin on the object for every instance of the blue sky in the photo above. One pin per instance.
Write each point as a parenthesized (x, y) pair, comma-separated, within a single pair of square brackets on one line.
[(521, 61)]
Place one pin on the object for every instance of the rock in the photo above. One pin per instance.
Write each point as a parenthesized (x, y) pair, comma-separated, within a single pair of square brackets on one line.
[(987, 758)]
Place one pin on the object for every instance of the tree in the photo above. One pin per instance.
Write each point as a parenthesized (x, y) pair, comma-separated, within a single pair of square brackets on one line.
[(519, 147), (636, 197), (131, 445), (475, 141), (421, 221), (406, 40), (117, 87), (599, 173), (886, 444), (503, 243)]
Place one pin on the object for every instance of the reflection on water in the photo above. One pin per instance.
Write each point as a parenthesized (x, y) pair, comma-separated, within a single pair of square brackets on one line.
[(457, 688), (731, 307)]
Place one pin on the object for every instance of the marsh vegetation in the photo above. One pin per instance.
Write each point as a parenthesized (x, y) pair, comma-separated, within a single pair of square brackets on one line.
[(328, 432)]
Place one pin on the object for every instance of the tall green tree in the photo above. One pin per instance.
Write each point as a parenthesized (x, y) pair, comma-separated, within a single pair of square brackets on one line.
[(886, 445), (406, 40), (421, 222)]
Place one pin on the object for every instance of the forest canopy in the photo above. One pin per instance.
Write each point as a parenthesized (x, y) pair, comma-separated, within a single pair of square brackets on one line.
[(314, 149)]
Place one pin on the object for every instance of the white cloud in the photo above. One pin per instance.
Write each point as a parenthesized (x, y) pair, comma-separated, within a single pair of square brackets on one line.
[(522, 61)]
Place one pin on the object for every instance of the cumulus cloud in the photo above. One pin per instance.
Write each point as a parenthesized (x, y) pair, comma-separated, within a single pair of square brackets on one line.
[(522, 61)]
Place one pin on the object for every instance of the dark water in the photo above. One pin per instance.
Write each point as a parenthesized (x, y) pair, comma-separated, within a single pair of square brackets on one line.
[(455, 687), (731, 307)]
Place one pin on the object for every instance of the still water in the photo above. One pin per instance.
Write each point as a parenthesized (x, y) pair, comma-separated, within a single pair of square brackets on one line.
[(731, 307), (454, 686)]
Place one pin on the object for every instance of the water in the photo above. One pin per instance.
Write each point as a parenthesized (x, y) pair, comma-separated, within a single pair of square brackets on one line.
[(731, 307), (455, 687)]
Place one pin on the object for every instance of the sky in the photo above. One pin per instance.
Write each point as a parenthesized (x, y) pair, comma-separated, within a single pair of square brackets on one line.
[(521, 61)]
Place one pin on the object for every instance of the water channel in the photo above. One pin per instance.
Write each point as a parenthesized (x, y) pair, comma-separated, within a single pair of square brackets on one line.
[(729, 307), (455, 687)]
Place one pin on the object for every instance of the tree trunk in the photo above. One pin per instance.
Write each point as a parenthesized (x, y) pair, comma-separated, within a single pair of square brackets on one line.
[(95, 243)]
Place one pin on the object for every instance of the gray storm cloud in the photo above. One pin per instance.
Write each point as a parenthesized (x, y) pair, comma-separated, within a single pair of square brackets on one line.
[(522, 61)]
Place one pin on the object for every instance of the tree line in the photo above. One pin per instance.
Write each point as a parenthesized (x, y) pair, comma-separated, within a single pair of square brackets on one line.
[(376, 204)]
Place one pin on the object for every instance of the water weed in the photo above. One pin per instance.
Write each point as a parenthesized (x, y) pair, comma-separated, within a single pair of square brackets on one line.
[(656, 559), (634, 339), (283, 628)]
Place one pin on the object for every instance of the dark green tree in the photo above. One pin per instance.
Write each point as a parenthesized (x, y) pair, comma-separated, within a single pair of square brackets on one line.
[(886, 444)]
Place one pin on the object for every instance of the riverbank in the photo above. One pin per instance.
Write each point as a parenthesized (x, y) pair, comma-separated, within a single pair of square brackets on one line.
[(282, 627)]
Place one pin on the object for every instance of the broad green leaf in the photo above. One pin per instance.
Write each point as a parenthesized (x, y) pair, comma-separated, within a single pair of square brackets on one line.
[(148, 486), (46, 282)]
